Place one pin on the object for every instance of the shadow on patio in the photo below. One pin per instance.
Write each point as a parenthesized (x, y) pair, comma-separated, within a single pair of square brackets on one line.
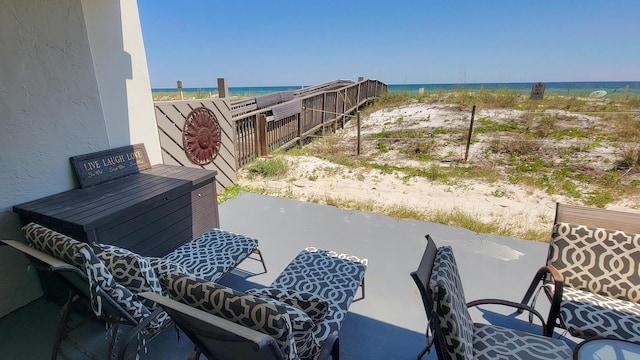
[(389, 323)]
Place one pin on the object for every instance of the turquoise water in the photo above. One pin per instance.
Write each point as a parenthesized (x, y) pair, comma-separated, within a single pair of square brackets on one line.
[(557, 88), (248, 91)]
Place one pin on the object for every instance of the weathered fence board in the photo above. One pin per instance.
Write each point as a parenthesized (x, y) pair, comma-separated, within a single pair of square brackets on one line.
[(170, 117)]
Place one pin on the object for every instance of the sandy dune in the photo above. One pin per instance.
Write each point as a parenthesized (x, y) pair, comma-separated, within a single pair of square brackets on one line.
[(513, 206)]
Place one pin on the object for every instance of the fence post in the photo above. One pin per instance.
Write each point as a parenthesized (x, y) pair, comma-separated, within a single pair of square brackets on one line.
[(359, 140), (466, 153), (179, 84), (223, 88), (323, 114), (300, 128), (261, 135), (335, 111)]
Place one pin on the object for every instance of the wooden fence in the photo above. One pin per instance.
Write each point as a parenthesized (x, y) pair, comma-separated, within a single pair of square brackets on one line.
[(265, 125), (170, 117), (254, 127)]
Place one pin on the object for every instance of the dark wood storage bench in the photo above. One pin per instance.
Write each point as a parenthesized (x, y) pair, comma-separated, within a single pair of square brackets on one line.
[(150, 212)]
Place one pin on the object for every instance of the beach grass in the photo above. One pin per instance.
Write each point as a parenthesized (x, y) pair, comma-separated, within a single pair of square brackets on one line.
[(514, 154)]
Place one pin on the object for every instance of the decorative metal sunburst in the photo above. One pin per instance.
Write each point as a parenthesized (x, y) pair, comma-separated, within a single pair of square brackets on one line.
[(201, 136)]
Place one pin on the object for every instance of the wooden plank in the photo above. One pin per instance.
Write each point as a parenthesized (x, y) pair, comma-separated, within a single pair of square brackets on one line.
[(195, 175), (160, 229), (154, 209), (170, 128), (69, 203), (97, 216), (595, 217), (244, 109), (169, 160), (169, 146), (84, 206), (123, 226), (171, 117), (181, 236), (170, 232)]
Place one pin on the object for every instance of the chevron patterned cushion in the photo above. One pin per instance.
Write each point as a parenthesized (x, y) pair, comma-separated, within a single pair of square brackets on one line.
[(495, 342), (213, 254), (291, 328), (450, 305), (163, 268), (587, 315), (467, 340), (597, 260), (130, 270), (302, 327), (313, 305), (82, 256)]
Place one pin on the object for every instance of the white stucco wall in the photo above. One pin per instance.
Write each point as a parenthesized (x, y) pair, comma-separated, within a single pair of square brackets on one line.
[(115, 36), (50, 109), (69, 85)]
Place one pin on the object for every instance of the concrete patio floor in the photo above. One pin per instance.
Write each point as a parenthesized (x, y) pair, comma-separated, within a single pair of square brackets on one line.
[(389, 323)]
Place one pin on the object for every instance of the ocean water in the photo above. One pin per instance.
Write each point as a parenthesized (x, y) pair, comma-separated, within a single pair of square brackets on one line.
[(248, 91), (557, 88)]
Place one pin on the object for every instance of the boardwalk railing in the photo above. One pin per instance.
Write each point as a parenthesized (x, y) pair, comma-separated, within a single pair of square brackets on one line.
[(281, 120), (254, 127)]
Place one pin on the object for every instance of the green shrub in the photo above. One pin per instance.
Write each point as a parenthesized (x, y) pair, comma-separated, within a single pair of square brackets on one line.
[(269, 168)]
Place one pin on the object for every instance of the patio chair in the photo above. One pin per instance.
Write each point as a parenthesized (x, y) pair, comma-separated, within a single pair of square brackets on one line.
[(108, 279), (455, 335), (301, 313), (591, 274), (89, 282), (217, 338)]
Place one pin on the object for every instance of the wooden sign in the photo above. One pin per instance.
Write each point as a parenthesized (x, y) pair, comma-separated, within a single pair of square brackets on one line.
[(537, 91), (99, 167)]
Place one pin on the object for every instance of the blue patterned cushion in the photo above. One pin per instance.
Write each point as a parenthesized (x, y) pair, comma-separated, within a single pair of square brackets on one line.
[(213, 254), (314, 306), (163, 268), (329, 275), (82, 256), (495, 342), (450, 305), (597, 260), (246, 310), (587, 315), (130, 270)]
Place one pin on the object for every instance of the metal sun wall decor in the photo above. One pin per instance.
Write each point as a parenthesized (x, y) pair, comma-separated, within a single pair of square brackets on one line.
[(201, 136)]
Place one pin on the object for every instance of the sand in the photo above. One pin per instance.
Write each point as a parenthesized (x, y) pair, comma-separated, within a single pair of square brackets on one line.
[(514, 206)]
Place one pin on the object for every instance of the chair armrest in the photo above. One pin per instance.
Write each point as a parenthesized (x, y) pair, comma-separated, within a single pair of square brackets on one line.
[(556, 299), (52, 264), (541, 275), (519, 306)]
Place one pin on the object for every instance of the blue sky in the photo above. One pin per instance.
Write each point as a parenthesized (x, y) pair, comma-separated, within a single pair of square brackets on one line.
[(271, 43)]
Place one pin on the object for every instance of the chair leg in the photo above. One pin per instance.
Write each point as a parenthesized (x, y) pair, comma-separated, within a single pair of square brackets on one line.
[(362, 294), (115, 344), (195, 355), (424, 351), (335, 350), (63, 328), (259, 258), (532, 288)]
